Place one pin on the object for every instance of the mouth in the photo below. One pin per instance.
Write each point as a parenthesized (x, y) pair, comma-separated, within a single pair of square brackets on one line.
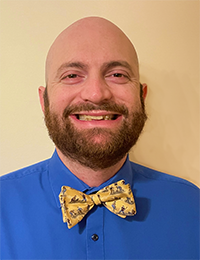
[(97, 117)]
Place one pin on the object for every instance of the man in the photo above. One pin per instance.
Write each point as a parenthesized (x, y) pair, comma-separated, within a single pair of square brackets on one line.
[(89, 201)]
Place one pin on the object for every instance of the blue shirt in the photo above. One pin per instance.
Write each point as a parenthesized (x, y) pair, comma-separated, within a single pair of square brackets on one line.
[(166, 225)]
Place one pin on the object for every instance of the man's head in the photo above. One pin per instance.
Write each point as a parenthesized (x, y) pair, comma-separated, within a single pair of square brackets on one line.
[(93, 104)]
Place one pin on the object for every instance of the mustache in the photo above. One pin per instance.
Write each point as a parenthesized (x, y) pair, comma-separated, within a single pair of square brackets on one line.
[(105, 106)]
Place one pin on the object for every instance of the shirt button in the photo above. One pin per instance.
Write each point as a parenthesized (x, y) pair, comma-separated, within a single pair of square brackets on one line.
[(95, 237)]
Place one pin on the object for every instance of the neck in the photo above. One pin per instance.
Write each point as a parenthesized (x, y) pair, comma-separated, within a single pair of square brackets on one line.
[(89, 176)]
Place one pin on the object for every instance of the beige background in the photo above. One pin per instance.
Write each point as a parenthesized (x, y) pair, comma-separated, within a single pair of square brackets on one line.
[(166, 36)]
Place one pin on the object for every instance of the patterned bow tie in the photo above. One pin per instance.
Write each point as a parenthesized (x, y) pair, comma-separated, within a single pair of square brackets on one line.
[(117, 197)]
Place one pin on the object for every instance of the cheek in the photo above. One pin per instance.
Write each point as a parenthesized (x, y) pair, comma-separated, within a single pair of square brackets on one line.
[(130, 97), (58, 104), (59, 99)]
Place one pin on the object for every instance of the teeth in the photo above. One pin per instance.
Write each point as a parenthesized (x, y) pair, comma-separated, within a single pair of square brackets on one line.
[(108, 117), (90, 118)]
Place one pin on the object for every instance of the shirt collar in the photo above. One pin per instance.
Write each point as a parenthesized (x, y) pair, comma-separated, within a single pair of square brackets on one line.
[(60, 175)]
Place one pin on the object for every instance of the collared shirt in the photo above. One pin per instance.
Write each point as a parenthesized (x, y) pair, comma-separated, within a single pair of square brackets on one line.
[(166, 225)]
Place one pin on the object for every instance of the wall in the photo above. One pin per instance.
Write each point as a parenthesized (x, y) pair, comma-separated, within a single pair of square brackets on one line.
[(166, 36)]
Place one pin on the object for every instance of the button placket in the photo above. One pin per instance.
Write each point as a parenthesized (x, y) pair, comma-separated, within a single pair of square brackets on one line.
[(95, 239)]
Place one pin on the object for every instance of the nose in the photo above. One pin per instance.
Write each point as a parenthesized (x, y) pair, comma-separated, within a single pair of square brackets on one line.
[(96, 90)]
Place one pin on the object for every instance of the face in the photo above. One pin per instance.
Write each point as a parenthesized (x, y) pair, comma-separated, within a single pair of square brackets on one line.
[(92, 104)]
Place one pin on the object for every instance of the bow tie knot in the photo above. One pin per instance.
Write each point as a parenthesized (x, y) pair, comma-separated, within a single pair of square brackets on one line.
[(117, 197), (96, 199)]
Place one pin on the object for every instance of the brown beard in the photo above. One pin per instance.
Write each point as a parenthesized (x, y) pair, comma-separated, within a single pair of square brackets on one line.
[(79, 145)]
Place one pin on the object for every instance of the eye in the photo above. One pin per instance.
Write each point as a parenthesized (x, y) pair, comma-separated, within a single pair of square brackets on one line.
[(118, 77), (71, 78)]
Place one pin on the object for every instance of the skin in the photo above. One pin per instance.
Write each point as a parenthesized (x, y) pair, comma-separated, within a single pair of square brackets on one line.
[(90, 62)]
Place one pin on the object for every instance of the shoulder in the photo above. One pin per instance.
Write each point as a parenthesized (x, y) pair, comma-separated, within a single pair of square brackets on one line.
[(145, 174), (19, 188), (159, 185), (25, 173), (165, 194)]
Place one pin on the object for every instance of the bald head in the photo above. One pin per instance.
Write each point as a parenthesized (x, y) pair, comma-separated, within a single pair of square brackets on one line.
[(92, 39)]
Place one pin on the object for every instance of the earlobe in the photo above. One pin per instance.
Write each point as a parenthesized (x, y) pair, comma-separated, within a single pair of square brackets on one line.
[(41, 91)]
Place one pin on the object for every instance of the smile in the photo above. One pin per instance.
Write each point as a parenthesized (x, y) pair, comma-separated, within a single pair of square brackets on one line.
[(96, 118)]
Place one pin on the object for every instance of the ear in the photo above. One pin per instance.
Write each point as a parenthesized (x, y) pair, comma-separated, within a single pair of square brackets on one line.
[(41, 96), (144, 92)]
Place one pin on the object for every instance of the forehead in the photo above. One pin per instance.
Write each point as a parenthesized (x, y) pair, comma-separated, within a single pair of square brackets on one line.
[(91, 43)]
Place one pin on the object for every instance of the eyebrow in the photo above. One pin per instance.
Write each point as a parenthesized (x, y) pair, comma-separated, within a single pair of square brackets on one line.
[(112, 64), (78, 65)]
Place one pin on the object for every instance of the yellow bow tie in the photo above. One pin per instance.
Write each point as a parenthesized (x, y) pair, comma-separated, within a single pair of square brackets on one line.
[(117, 197)]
